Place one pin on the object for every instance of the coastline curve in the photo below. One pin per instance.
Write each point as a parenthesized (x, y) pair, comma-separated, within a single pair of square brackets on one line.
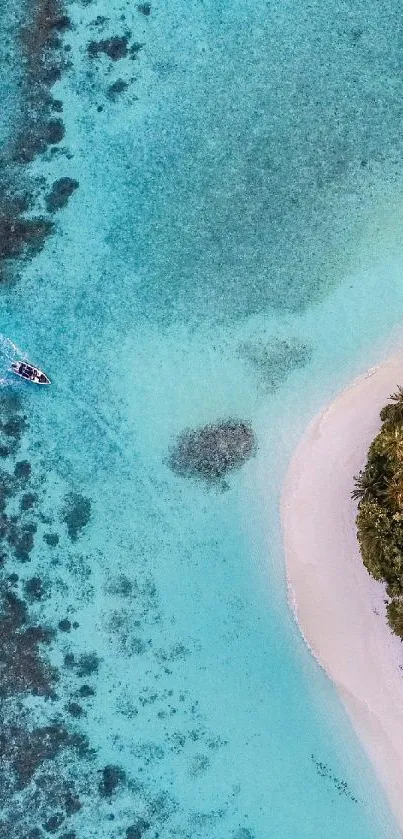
[(339, 608)]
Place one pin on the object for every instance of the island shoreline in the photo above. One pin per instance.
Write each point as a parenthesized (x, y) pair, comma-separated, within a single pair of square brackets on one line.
[(339, 608)]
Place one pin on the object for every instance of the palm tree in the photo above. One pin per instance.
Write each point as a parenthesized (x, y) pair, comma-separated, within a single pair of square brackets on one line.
[(366, 484), (391, 441), (394, 491), (398, 396)]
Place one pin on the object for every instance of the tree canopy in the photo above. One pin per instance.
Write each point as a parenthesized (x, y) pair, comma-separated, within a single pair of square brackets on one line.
[(379, 492)]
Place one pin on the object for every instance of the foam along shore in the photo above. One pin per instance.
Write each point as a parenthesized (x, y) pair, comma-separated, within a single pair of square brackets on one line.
[(339, 607)]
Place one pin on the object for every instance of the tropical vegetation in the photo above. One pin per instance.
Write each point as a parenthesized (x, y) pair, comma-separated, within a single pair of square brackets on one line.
[(379, 491)]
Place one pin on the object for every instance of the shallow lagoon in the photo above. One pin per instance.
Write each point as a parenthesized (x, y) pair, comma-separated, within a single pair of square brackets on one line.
[(233, 251)]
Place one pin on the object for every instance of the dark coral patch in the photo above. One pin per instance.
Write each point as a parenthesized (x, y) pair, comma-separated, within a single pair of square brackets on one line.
[(144, 9), (22, 236), (86, 691), (115, 48), (23, 668), (137, 830), (43, 63), (76, 513), (135, 49), (115, 89), (34, 589), (209, 453), (64, 625), (276, 360), (87, 664), (22, 470), (112, 778), (19, 537), (75, 709), (54, 132), (121, 586), (25, 751), (51, 539), (28, 501), (60, 193), (14, 426), (72, 803), (53, 823)]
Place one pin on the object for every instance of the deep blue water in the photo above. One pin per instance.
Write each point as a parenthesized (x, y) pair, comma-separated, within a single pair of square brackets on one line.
[(233, 249)]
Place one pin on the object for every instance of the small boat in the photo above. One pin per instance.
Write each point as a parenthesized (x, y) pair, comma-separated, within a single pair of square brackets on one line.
[(32, 374)]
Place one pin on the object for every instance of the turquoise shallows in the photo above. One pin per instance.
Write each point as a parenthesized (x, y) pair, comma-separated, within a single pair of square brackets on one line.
[(233, 250)]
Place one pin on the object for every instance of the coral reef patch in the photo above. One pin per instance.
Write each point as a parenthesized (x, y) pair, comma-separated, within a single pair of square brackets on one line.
[(115, 48), (209, 453), (23, 226), (76, 514), (60, 193), (274, 361)]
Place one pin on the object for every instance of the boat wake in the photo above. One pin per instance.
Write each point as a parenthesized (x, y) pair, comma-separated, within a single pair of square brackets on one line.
[(9, 351)]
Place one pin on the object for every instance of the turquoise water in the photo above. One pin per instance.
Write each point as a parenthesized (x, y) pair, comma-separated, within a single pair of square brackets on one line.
[(233, 250)]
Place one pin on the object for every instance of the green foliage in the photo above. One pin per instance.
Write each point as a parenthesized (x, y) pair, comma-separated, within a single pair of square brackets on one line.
[(395, 615), (379, 492)]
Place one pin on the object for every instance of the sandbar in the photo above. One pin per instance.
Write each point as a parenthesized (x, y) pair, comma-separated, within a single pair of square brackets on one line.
[(340, 609)]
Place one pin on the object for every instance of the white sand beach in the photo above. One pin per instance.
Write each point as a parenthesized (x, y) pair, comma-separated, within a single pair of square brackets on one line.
[(339, 607)]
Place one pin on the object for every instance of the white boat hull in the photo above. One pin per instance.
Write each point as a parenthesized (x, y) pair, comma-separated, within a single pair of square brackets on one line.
[(30, 373)]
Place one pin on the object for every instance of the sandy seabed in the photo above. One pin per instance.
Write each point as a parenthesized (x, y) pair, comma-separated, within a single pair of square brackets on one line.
[(340, 609)]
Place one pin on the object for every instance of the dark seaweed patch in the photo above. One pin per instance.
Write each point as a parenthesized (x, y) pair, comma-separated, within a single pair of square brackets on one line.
[(211, 452), (60, 193), (115, 48), (144, 9), (112, 778), (76, 514)]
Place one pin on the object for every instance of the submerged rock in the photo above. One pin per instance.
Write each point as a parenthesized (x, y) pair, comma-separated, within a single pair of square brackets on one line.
[(209, 453)]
